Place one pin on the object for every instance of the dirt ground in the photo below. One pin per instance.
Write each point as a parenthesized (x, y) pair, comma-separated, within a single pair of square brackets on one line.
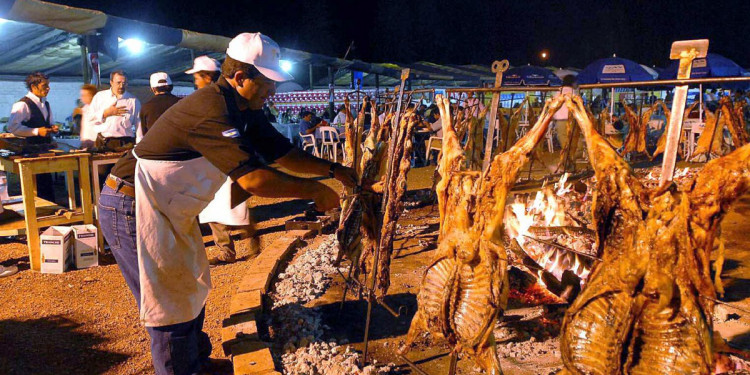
[(86, 321)]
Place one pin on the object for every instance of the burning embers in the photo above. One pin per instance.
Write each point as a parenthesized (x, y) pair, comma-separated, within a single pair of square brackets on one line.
[(552, 230)]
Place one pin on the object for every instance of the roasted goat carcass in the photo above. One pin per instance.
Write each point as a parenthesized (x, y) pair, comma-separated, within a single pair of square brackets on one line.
[(465, 288), (712, 138), (363, 226), (475, 140), (635, 141), (661, 144), (647, 307)]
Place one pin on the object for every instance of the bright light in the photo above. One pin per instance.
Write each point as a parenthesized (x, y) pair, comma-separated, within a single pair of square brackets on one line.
[(3, 20), (285, 65), (544, 55), (135, 46)]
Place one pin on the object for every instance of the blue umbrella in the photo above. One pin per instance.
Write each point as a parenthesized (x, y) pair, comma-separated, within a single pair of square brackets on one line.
[(613, 70), (529, 75), (712, 65)]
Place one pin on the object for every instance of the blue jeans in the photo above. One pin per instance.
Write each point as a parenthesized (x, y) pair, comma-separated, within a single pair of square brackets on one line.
[(175, 349)]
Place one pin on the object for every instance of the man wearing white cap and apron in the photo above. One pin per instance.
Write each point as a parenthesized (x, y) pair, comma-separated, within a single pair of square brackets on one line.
[(182, 162)]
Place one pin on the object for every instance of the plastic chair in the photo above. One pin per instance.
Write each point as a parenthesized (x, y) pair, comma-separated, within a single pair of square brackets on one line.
[(329, 145), (308, 141), (436, 146)]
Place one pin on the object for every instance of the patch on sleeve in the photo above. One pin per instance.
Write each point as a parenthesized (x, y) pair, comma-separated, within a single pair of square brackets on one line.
[(231, 133)]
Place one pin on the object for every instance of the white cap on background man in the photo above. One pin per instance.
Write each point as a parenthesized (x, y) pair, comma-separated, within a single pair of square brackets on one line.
[(160, 79), (204, 63), (260, 51)]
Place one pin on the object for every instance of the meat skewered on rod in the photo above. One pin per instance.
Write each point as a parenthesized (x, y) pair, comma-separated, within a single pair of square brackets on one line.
[(647, 307), (465, 288), (360, 230)]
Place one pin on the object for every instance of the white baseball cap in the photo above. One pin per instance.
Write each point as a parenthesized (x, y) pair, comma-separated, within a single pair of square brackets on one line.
[(160, 79), (204, 63), (260, 51)]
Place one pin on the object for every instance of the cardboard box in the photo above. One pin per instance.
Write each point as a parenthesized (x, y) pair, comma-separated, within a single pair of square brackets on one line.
[(86, 242), (56, 249)]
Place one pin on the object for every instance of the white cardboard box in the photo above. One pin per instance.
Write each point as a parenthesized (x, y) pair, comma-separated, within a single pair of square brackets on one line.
[(86, 241), (56, 249)]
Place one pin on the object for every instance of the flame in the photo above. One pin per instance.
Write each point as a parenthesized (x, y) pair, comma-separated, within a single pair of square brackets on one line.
[(544, 210)]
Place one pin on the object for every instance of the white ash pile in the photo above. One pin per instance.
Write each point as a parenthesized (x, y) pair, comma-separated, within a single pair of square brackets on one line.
[(308, 276), (529, 350), (328, 358), (298, 331)]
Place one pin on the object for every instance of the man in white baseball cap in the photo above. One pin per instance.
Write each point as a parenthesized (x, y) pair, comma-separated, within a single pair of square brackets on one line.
[(161, 87), (205, 70), (182, 162)]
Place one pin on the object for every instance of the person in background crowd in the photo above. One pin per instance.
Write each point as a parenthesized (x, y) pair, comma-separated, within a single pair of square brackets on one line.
[(116, 113), (161, 87), (340, 118), (286, 117), (474, 106), (31, 117), (306, 124), (88, 120), (436, 124), (205, 70), (421, 110)]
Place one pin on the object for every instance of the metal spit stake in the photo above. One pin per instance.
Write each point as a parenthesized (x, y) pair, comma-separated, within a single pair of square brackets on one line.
[(686, 51), (498, 67)]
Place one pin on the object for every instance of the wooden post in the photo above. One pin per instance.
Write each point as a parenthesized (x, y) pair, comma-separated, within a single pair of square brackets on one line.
[(28, 191), (498, 67), (686, 51)]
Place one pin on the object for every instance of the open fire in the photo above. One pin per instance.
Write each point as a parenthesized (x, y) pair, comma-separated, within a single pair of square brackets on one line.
[(549, 230)]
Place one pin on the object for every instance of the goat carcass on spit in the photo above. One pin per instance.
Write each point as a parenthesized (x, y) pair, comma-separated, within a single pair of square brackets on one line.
[(475, 140), (361, 230), (647, 306), (661, 144), (635, 141), (465, 288)]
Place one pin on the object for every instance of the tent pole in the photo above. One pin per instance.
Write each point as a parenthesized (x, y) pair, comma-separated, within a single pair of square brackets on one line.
[(311, 77), (331, 93), (84, 63), (377, 86), (612, 104)]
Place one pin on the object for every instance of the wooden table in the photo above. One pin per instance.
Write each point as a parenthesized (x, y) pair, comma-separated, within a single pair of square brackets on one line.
[(35, 213)]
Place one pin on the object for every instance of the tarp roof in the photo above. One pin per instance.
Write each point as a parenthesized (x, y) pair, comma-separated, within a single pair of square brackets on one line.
[(45, 37)]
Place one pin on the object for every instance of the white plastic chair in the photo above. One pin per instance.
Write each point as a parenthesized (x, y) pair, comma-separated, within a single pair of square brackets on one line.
[(308, 141), (329, 145), (432, 147)]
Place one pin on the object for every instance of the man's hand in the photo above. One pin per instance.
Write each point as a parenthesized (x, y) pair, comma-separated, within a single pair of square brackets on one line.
[(114, 110), (346, 176), (43, 132), (325, 198)]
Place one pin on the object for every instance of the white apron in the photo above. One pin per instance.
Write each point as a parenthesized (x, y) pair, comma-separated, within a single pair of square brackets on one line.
[(171, 256), (220, 209)]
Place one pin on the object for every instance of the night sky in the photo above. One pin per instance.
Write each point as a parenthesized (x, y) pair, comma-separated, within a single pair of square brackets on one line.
[(464, 32)]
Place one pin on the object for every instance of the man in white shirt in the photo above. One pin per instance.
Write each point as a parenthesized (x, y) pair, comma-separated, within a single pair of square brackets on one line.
[(31, 117), (116, 113), (88, 121), (340, 118)]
